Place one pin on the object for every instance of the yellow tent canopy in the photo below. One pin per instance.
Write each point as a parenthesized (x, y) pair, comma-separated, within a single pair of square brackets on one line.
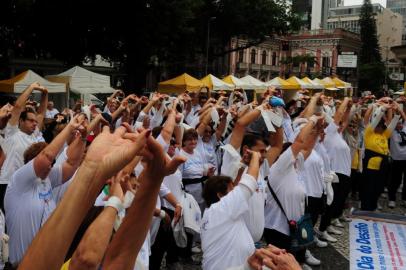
[(214, 83), (282, 84), (301, 84), (178, 85), (20, 82), (328, 83), (341, 83)]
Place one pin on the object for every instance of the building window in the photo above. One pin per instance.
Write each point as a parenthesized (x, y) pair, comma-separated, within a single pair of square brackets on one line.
[(274, 59), (241, 56), (326, 61), (253, 55), (264, 55)]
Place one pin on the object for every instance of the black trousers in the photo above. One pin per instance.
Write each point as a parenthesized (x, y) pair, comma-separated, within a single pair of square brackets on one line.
[(282, 241), (372, 185), (315, 207), (355, 181), (3, 188), (398, 171), (164, 242), (335, 210), (341, 191)]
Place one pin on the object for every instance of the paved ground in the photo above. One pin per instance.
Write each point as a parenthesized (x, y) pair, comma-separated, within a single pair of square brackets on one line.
[(335, 256)]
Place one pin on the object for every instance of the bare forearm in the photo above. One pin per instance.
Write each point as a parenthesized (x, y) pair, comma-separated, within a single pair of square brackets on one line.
[(122, 252), (171, 199), (42, 109), (20, 105), (74, 206), (338, 116), (75, 151), (169, 126), (93, 245), (148, 107), (57, 143)]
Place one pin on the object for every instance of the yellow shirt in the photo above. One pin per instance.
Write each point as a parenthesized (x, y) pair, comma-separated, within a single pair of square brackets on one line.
[(65, 266), (377, 143), (355, 160)]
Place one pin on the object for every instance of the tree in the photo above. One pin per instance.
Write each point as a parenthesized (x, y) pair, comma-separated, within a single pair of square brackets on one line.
[(371, 68), (136, 34)]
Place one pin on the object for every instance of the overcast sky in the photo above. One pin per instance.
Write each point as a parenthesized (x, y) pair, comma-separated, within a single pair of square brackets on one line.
[(359, 2)]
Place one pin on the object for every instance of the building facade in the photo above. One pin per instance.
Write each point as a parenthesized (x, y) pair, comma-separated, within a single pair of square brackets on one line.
[(399, 6), (389, 25), (320, 12), (274, 57)]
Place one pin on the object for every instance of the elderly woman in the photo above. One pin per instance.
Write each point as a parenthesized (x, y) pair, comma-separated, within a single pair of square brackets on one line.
[(376, 153), (226, 240)]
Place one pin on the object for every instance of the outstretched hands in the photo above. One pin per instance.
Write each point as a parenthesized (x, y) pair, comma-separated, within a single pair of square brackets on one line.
[(274, 258)]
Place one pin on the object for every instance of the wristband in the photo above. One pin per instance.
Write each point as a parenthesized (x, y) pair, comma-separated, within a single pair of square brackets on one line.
[(114, 202), (162, 214), (313, 119)]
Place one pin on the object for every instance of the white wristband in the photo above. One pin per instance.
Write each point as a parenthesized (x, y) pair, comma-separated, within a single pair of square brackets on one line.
[(313, 119), (162, 214), (114, 202)]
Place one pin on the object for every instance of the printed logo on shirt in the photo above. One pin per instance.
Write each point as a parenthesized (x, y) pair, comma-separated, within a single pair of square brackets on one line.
[(45, 195)]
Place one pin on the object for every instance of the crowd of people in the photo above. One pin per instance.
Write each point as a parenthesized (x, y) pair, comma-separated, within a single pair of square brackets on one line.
[(144, 180)]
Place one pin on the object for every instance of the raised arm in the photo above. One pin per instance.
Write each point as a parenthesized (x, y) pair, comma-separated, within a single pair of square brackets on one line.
[(19, 106), (42, 107), (338, 116), (206, 118), (311, 107), (123, 250), (241, 124), (307, 137), (170, 123), (107, 154), (47, 156), (276, 142), (74, 152), (90, 251)]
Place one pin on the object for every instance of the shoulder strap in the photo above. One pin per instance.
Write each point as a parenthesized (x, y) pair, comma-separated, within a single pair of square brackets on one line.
[(276, 199)]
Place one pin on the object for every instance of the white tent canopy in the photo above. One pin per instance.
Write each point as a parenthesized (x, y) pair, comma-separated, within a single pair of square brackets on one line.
[(253, 82), (216, 84), (83, 81), (239, 84), (19, 83)]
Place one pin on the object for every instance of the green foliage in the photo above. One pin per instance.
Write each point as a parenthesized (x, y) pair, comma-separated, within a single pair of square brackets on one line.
[(371, 68), (371, 76), (133, 32)]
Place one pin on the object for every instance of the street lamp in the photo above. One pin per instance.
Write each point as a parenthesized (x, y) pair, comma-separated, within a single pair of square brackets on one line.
[(208, 42)]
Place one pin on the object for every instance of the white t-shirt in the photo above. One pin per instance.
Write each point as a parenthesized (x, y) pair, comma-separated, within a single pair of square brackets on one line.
[(174, 183), (338, 150), (397, 152), (226, 240), (209, 150), (28, 204), (254, 218), (193, 167), (51, 113), (283, 179), (312, 175), (14, 147), (322, 151)]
